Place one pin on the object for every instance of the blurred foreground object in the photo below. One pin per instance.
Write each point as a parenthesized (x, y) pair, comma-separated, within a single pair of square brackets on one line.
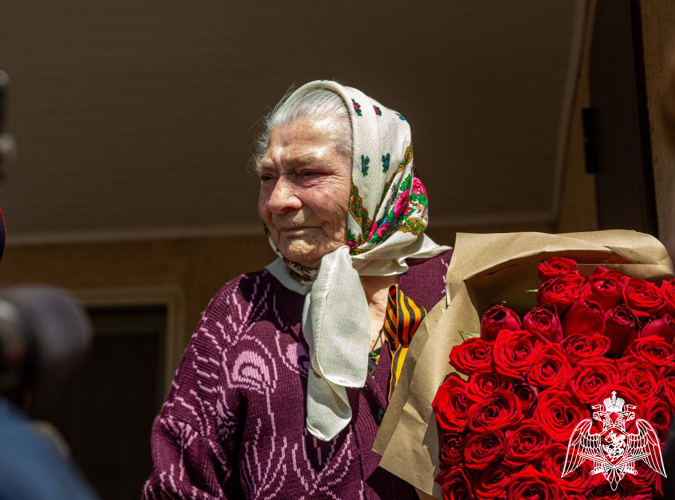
[(31, 468), (45, 335)]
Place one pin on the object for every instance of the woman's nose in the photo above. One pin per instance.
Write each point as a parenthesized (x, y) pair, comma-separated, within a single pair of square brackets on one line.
[(284, 198)]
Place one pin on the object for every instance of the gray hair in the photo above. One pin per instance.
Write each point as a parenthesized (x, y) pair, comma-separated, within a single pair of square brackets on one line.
[(316, 103)]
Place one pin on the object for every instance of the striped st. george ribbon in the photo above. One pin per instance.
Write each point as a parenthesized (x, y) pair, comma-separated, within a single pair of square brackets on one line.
[(401, 321)]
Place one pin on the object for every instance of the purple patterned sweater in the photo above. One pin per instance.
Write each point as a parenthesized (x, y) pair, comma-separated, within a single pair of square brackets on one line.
[(233, 425)]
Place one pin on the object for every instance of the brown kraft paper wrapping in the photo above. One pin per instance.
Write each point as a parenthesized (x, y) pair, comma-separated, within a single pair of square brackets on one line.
[(488, 269)]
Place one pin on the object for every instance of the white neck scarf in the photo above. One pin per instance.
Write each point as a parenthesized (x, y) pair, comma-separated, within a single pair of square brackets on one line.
[(387, 217)]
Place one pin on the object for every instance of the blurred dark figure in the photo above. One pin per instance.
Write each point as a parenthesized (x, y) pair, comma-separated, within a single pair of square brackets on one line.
[(43, 333)]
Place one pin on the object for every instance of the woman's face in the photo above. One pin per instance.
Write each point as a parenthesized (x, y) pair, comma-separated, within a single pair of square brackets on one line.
[(304, 190)]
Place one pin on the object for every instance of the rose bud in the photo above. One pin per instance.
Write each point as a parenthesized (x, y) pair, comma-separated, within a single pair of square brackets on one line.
[(622, 327), (526, 444), (451, 404), (452, 450), (483, 448), (544, 323), (556, 266), (515, 351), (668, 292), (527, 395), (654, 350), (604, 287), (561, 292), (471, 355), (662, 327), (496, 319), (550, 368), (584, 316), (603, 272), (579, 346), (644, 298)]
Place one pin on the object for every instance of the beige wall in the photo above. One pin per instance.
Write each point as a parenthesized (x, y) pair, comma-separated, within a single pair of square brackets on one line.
[(658, 28)]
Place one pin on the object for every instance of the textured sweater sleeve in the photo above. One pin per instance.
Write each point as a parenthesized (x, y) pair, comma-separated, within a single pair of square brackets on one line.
[(194, 447)]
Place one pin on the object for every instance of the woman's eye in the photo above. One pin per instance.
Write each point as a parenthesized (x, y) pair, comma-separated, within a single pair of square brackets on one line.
[(264, 178), (308, 173)]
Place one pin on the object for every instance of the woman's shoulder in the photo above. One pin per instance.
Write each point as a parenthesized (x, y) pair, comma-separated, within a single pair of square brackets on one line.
[(425, 279), (255, 297), (244, 289)]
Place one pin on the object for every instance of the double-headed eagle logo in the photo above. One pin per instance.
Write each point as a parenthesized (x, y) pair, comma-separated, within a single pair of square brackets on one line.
[(613, 451)]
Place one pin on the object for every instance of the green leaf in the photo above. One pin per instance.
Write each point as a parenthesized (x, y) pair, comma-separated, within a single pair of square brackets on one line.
[(468, 335), (532, 291)]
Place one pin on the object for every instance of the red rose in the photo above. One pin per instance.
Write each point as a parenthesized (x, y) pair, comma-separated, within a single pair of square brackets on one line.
[(604, 287), (515, 351), (659, 415), (561, 292), (486, 382), (640, 376), (452, 450), (668, 292), (451, 404), (472, 355), (603, 272), (553, 463), (591, 377), (603, 491), (584, 316), (483, 448), (491, 483), (622, 327), (496, 319), (530, 483), (643, 482), (500, 410), (455, 484), (559, 412), (527, 396), (654, 350), (544, 323), (644, 298), (556, 266), (525, 445), (662, 327), (625, 392), (579, 346), (550, 368)]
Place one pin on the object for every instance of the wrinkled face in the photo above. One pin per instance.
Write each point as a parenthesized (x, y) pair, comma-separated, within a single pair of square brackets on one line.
[(304, 190)]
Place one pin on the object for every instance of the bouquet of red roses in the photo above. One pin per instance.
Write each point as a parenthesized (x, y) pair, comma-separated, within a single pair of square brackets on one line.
[(573, 400)]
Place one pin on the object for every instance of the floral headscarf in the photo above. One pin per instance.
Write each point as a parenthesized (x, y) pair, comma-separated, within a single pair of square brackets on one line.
[(388, 214)]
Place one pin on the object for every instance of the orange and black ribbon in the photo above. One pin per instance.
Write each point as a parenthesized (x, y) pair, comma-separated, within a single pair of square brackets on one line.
[(401, 321)]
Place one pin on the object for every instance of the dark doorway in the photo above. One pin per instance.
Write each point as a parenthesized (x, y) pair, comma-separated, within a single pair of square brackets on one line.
[(105, 413), (617, 125)]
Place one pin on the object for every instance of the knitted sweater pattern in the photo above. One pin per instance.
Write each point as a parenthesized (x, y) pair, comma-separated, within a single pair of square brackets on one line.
[(233, 424)]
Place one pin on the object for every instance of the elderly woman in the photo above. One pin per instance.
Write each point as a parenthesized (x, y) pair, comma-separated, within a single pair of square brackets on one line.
[(283, 386)]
